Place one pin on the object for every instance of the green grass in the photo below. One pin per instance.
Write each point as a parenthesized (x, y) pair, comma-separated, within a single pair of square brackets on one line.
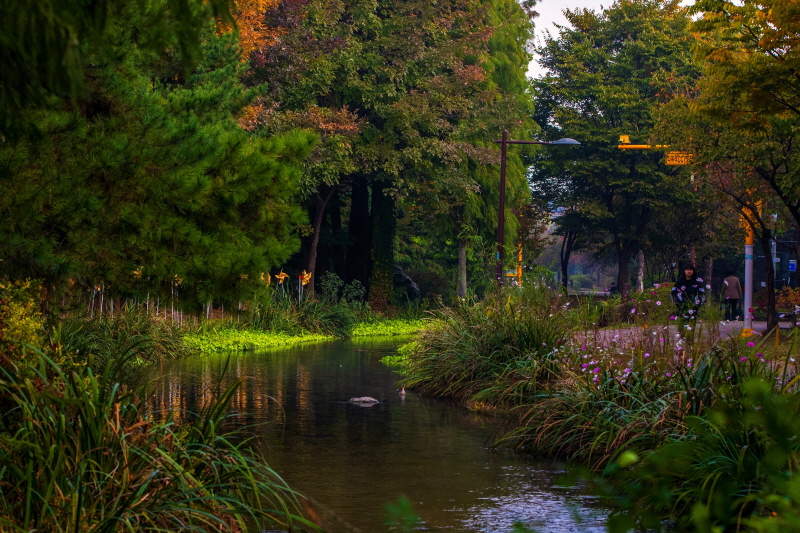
[(245, 340), (388, 327), (495, 352), (712, 422), (80, 452)]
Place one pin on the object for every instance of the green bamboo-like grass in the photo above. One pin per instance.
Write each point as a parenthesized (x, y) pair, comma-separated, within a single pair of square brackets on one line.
[(496, 352), (79, 452)]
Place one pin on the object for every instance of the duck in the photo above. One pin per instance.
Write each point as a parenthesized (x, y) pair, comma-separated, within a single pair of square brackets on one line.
[(402, 391)]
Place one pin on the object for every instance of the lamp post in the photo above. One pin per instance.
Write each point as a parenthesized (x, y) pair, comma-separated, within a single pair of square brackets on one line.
[(501, 215)]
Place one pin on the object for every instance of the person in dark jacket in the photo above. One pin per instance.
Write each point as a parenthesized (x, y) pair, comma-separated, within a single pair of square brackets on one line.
[(689, 293)]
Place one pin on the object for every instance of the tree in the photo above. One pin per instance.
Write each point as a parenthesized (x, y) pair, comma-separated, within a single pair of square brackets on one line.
[(414, 80), (606, 72), (751, 53), (150, 183), (740, 119), (43, 44)]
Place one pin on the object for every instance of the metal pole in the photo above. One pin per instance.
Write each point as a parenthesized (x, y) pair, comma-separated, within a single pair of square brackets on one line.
[(501, 214), (748, 278)]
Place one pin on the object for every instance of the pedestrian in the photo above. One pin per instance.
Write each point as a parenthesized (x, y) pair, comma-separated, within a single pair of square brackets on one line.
[(731, 295), (688, 294), (612, 290)]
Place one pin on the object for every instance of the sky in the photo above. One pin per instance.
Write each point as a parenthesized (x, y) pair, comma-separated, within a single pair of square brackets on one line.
[(550, 12)]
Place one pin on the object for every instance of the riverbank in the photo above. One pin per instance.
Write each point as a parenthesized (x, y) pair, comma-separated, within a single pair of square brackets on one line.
[(220, 339), (625, 401)]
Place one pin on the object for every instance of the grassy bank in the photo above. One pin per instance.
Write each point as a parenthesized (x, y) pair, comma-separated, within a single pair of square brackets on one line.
[(81, 450), (228, 337), (623, 404)]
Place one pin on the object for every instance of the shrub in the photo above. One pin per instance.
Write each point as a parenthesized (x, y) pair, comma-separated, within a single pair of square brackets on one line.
[(737, 470), (128, 340), (20, 321), (581, 281)]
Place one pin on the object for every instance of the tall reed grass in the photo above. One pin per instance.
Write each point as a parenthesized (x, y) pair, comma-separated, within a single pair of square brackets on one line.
[(79, 452), (497, 351), (711, 419)]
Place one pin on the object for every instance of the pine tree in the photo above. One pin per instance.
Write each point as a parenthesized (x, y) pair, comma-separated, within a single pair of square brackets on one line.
[(149, 185)]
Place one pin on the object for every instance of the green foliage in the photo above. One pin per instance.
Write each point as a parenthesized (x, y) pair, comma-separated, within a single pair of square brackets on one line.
[(617, 398), (43, 44), (280, 312), (148, 185), (581, 281), (233, 339), (20, 321), (736, 469), (607, 73), (127, 341), (497, 351), (388, 327), (81, 453)]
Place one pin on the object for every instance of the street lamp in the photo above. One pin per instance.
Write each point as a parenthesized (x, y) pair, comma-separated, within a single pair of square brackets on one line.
[(501, 215)]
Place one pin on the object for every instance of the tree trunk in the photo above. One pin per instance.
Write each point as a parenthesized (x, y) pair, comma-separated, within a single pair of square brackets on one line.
[(381, 283), (359, 227), (338, 250), (319, 214), (708, 268), (769, 272), (567, 244), (640, 271), (462, 268), (623, 274)]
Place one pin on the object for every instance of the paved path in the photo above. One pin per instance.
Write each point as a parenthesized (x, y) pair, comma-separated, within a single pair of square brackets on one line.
[(639, 334)]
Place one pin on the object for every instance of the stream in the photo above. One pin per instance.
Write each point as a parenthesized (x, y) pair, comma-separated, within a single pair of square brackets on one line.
[(352, 461)]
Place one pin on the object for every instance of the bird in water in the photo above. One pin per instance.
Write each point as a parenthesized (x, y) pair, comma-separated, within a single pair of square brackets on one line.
[(402, 391)]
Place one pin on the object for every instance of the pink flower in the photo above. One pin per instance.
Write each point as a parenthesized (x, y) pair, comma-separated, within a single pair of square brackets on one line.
[(672, 318), (633, 310), (583, 348), (596, 370), (658, 302), (751, 344), (647, 355), (661, 339), (742, 359), (669, 375)]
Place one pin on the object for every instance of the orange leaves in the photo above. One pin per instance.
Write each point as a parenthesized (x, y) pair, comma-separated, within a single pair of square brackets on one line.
[(254, 32)]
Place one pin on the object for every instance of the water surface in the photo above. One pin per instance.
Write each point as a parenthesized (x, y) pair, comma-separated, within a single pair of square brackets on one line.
[(352, 461)]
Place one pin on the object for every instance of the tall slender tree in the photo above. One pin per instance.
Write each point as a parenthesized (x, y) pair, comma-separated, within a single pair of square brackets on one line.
[(606, 71)]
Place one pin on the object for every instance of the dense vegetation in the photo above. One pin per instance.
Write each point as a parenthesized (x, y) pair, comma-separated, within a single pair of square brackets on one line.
[(690, 425), (187, 175)]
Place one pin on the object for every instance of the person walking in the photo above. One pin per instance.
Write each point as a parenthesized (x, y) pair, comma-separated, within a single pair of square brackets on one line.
[(688, 294), (731, 295)]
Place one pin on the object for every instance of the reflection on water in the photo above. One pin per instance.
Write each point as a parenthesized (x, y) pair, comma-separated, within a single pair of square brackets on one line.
[(353, 460)]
